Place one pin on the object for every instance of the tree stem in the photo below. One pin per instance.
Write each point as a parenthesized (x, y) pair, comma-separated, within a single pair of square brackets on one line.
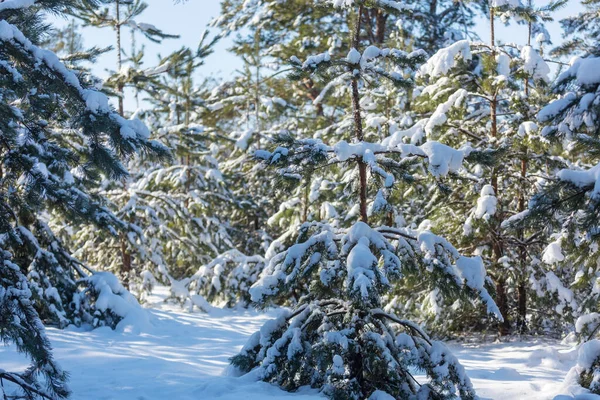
[(362, 167)]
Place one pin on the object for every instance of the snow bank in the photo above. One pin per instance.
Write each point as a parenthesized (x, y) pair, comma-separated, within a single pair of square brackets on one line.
[(589, 353), (111, 297)]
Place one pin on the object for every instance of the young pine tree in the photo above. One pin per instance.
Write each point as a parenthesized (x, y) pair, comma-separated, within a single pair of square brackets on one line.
[(485, 97), (569, 201), (44, 107), (338, 338), (130, 253)]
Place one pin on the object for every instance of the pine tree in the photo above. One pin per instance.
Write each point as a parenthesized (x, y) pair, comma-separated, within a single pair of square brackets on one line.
[(47, 110), (338, 338), (485, 97), (568, 201), (134, 249)]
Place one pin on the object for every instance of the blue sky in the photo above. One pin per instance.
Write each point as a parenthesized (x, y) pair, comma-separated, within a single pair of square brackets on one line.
[(189, 19)]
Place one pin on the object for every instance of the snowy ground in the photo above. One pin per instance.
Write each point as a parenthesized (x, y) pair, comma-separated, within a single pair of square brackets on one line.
[(183, 356)]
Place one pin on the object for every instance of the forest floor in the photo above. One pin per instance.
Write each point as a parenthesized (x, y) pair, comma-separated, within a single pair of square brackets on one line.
[(184, 356)]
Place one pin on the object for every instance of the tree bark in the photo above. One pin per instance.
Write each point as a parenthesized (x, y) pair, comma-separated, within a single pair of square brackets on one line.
[(380, 22), (502, 303)]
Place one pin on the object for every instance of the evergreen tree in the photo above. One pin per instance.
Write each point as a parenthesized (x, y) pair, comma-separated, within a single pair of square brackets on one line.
[(47, 112), (338, 338), (568, 201), (486, 97), (135, 250)]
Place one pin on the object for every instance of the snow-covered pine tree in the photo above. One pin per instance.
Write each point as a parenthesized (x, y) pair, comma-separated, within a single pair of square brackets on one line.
[(46, 111), (338, 338), (132, 247), (569, 202), (22, 326), (485, 96), (316, 30)]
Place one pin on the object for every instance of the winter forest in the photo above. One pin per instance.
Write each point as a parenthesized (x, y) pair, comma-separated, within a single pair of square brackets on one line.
[(379, 202)]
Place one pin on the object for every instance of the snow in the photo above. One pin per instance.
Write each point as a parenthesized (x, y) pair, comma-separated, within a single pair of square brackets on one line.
[(379, 395), (527, 128), (15, 4), (185, 356), (486, 203), (582, 178), (445, 59), (556, 107), (353, 56), (338, 365), (503, 68), (444, 159), (439, 115), (506, 3), (590, 320), (471, 269), (553, 253), (586, 71), (242, 142), (534, 65), (345, 150), (113, 296), (360, 267), (314, 61), (587, 354)]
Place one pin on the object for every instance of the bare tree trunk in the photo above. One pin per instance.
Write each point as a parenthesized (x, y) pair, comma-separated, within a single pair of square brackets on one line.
[(305, 205), (502, 302)]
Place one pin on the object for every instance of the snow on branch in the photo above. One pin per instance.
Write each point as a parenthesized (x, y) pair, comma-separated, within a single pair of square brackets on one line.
[(583, 178), (445, 59), (15, 4)]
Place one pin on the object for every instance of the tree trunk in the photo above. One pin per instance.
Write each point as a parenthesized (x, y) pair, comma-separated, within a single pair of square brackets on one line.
[(120, 86), (313, 93), (362, 167), (502, 302), (126, 260), (380, 21), (522, 288), (305, 205), (498, 250)]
